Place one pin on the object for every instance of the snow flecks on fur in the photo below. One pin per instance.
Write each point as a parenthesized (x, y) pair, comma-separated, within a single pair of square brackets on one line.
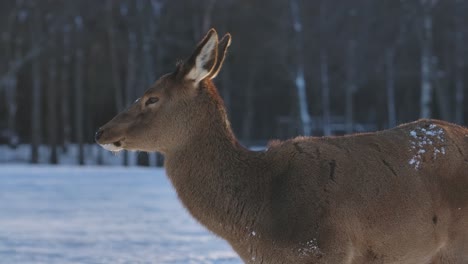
[(308, 248), (253, 255), (426, 140), (251, 234)]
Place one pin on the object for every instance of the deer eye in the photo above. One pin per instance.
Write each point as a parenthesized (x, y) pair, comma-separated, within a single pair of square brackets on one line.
[(151, 100)]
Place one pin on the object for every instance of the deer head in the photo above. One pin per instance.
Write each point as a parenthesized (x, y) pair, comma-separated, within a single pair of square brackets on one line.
[(172, 111)]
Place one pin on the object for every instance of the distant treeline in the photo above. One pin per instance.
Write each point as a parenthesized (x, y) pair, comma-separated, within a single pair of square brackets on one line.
[(295, 66)]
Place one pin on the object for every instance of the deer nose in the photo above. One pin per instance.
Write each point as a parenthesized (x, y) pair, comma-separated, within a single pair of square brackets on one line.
[(98, 134)]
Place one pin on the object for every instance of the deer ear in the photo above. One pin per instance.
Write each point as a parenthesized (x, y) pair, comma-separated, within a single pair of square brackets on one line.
[(222, 48), (203, 59)]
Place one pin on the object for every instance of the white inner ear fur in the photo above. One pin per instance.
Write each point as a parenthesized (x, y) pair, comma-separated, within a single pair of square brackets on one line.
[(199, 72)]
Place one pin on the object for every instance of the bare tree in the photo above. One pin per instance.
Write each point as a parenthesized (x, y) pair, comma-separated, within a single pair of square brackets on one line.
[(459, 61), (426, 58), (300, 82), (15, 55), (390, 85), (113, 55), (78, 87), (131, 74), (52, 104), (351, 85), (36, 106), (353, 45), (249, 96), (324, 72), (390, 77), (115, 62), (65, 87)]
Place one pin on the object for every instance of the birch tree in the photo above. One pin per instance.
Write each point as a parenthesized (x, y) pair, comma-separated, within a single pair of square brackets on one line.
[(426, 58), (390, 65), (299, 81)]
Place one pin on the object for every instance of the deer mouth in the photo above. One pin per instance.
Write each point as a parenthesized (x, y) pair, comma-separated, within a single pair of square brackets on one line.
[(114, 147)]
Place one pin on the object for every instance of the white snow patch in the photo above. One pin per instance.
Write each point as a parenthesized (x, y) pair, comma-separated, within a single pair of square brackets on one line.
[(426, 140), (309, 247), (71, 214)]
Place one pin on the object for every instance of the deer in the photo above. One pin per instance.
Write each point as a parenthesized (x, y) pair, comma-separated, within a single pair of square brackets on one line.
[(393, 196)]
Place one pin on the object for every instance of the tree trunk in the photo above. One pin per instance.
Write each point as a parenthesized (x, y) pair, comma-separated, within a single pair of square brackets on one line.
[(114, 57), (299, 73), (115, 64), (131, 68), (247, 121), (324, 79), (426, 61), (11, 87), (78, 90), (324, 66), (131, 76), (350, 86), (65, 89), (390, 84), (36, 104), (155, 32), (36, 111), (148, 61), (52, 110), (147, 31), (225, 87), (441, 92), (459, 63), (12, 55), (10, 92)]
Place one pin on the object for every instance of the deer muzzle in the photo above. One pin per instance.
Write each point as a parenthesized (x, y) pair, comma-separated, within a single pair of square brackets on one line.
[(108, 143)]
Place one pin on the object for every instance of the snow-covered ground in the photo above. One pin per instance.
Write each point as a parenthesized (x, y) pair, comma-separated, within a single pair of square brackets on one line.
[(92, 153), (69, 214)]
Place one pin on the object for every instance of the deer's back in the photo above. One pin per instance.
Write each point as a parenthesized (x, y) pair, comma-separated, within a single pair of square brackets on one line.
[(400, 193)]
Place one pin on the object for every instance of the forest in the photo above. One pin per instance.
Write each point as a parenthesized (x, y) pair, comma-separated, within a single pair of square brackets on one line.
[(295, 67)]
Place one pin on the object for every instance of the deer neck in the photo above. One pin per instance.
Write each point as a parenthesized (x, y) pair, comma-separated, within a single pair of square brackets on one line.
[(213, 178)]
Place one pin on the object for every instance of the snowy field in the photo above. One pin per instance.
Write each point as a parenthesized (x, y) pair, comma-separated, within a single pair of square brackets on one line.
[(69, 214)]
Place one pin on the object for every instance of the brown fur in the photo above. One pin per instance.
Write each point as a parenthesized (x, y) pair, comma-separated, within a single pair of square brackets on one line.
[(394, 196)]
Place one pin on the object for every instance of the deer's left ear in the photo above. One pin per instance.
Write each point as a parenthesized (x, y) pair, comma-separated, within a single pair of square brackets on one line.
[(203, 60)]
